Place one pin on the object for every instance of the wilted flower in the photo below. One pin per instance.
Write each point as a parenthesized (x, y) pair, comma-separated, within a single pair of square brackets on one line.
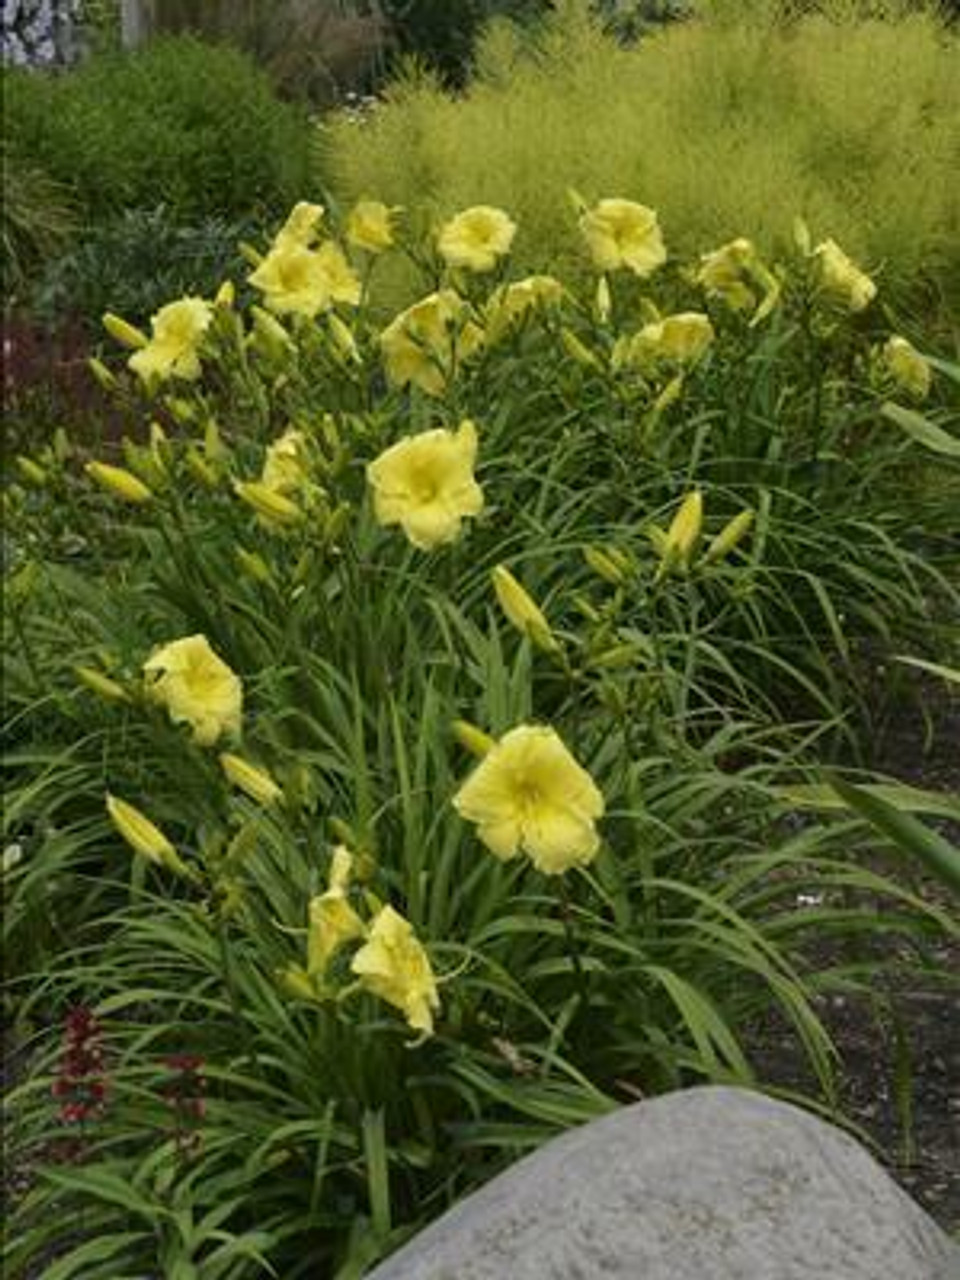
[(510, 302), (529, 795), (393, 965), (682, 339), (522, 610), (476, 238), (907, 367), (732, 271), (177, 331), (620, 233), (369, 226), (426, 484), (840, 278), (197, 688), (333, 921), (423, 344), (285, 465)]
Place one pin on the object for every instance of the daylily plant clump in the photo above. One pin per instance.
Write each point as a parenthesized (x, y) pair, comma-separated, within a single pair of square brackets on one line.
[(429, 667)]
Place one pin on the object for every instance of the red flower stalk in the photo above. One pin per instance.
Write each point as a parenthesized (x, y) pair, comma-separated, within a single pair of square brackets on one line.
[(185, 1094), (81, 1082)]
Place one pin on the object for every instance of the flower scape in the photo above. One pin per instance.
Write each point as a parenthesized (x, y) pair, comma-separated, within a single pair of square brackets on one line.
[(429, 670)]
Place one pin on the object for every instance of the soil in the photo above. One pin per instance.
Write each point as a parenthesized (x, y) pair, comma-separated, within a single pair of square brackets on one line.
[(900, 1076)]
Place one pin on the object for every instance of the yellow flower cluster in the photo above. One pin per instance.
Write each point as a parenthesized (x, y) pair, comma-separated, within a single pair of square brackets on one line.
[(391, 964), (298, 277)]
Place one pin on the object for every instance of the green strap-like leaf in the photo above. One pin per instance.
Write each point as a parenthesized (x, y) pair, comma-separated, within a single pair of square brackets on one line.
[(922, 429)]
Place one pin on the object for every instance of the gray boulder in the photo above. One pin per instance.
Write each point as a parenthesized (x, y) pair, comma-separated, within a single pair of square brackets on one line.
[(706, 1184)]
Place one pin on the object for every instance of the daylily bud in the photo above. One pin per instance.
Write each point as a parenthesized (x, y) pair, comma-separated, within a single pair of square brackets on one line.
[(201, 468), (475, 740), (126, 334), (31, 471), (577, 351), (256, 783), (100, 684), (343, 338), (119, 481), (683, 534), (270, 338), (213, 445), (182, 410), (225, 295), (62, 448), (103, 375), (801, 236), (253, 565), (522, 610), (603, 303), (296, 983), (142, 463), (271, 506), (603, 564), (145, 838), (669, 395), (729, 536), (250, 254)]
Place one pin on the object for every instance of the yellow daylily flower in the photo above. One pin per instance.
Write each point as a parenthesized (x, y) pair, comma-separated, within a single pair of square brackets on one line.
[(424, 344), (907, 367), (476, 238), (529, 795), (522, 610), (177, 331), (254, 782), (620, 233), (300, 281), (369, 226), (119, 481), (840, 278), (425, 483), (301, 227), (394, 965), (197, 688)]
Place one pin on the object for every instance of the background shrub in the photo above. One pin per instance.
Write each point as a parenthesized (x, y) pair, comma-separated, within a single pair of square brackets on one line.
[(184, 124), (728, 125), (136, 263), (38, 217)]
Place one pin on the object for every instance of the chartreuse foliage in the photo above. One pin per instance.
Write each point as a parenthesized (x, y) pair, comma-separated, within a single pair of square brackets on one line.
[(399, 752), (729, 124)]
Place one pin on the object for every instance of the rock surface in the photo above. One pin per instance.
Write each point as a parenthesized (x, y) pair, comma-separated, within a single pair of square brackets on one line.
[(707, 1184)]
